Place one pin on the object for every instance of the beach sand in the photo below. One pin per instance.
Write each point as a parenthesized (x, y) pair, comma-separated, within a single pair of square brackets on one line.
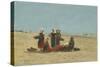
[(24, 40)]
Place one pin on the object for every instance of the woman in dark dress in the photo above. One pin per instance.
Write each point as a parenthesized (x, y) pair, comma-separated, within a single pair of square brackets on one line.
[(53, 38), (58, 37), (40, 40)]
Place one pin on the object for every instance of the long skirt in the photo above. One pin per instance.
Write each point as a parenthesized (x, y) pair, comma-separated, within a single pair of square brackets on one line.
[(41, 44), (53, 43), (56, 48)]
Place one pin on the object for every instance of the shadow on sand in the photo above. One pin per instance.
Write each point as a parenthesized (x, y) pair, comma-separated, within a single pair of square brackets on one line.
[(64, 49)]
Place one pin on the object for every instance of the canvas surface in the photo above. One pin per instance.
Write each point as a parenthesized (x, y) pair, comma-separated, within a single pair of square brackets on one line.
[(44, 33)]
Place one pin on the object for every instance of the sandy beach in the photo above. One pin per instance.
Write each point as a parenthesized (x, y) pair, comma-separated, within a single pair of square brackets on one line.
[(24, 40)]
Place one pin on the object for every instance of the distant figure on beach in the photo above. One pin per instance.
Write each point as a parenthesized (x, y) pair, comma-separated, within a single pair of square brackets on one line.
[(71, 43), (53, 38), (40, 38), (58, 37)]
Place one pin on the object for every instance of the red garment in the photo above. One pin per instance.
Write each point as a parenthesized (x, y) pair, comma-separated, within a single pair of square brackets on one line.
[(41, 41), (57, 48), (41, 44), (47, 47)]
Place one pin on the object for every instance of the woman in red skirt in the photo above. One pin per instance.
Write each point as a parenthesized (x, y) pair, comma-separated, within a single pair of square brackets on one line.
[(40, 40)]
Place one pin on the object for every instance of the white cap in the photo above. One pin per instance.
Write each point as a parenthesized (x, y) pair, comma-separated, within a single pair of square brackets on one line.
[(41, 29), (54, 30)]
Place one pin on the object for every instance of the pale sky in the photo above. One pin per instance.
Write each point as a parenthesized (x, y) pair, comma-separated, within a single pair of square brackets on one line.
[(72, 19)]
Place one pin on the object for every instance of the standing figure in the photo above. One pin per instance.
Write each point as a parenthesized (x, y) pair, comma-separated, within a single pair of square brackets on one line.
[(40, 38), (53, 38), (58, 37)]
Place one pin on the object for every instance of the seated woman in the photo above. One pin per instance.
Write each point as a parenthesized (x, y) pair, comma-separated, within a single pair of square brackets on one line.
[(46, 47), (68, 46), (71, 43)]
